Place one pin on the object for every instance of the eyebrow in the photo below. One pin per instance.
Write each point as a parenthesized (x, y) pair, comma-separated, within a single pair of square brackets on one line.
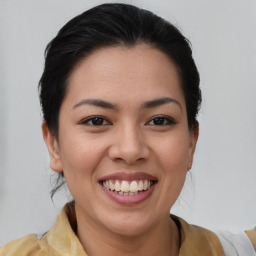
[(159, 102), (96, 102), (105, 104)]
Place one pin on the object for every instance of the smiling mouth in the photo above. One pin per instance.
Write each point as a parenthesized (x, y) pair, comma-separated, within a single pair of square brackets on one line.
[(128, 188)]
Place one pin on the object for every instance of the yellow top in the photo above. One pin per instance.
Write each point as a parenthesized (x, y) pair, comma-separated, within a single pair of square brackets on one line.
[(61, 240)]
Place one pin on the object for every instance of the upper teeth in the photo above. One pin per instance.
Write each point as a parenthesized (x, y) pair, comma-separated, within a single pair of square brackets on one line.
[(126, 186)]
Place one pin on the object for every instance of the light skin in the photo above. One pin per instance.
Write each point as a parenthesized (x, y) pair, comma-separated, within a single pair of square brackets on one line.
[(142, 127)]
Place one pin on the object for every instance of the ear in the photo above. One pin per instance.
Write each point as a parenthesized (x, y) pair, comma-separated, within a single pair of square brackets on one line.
[(53, 148), (194, 133)]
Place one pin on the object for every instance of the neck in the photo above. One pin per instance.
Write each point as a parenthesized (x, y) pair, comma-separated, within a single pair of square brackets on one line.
[(162, 239)]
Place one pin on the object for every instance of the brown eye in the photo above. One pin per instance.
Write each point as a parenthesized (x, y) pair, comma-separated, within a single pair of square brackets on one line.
[(161, 120), (95, 121)]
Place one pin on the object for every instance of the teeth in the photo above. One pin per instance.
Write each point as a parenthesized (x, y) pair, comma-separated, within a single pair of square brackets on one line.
[(111, 185), (117, 186), (127, 188), (134, 186), (140, 185), (145, 184)]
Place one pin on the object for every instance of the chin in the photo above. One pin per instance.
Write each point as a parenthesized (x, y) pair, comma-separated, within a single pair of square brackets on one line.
[(128, 225)]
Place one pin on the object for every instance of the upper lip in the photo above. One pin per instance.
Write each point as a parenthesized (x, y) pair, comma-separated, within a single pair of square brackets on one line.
[(129, 176)]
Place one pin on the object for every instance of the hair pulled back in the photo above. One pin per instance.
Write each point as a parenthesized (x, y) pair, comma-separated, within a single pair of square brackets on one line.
[(109, 25), (113, 25)]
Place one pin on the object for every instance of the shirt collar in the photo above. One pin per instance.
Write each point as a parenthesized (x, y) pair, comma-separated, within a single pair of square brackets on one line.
[(194, 240), (197, 240)]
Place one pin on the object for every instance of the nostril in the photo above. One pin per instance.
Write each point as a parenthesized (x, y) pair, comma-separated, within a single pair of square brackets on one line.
[(129, 159), (118, 159), (128, 151)]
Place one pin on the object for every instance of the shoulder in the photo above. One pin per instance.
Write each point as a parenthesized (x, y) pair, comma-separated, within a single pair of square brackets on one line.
[(252, 236), (58, 241), (27, 245), (242, 243), (196, 240)]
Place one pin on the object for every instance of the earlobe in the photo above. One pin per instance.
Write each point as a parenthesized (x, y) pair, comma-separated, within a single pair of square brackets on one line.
[(192, 144), (53, 148)]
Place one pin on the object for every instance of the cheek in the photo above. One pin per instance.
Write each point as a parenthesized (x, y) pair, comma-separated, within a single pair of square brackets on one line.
[(80, 158), (172, 157), (80, 155), (173, 153)]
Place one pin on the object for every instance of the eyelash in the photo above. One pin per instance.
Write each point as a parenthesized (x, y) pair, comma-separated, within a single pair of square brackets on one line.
[(95, 118), (103, 121), (167, 121)]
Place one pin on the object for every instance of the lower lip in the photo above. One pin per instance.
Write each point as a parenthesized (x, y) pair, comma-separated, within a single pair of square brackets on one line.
[(129, 200)]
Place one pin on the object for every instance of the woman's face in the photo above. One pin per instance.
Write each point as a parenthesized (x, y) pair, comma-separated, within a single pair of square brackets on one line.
[(124, 144)]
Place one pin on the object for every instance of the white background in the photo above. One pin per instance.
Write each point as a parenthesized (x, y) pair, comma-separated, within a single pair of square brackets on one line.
[(222, 190)]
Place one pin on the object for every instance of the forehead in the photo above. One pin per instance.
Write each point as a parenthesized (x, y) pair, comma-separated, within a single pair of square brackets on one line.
[(125, 73)]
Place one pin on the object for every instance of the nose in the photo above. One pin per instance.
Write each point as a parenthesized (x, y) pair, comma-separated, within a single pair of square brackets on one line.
[(129, 145)]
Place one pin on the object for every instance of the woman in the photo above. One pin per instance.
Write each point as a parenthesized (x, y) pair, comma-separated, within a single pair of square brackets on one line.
[(120, 96)]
